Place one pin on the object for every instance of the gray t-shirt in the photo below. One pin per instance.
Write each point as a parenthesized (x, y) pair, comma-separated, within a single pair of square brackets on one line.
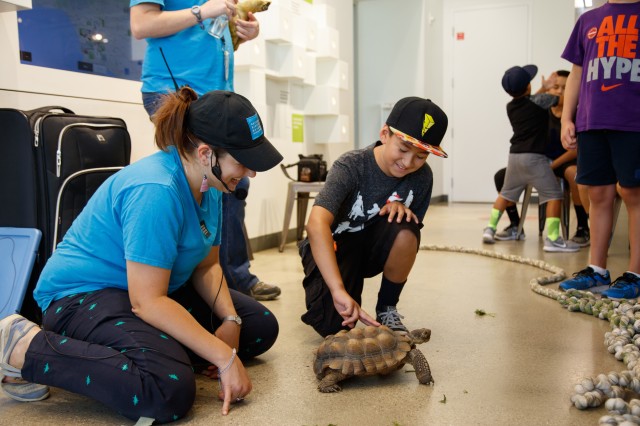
[(356, 190)]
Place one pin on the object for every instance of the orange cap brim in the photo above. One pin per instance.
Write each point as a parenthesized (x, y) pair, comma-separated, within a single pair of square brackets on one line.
[(432, 149)]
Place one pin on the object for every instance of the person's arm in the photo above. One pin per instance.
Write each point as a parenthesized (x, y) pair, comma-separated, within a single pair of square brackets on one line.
[(249, 29), (321, 241), (208, 280), (564, 158), (547, 84), (148, 286), (544, 100), (148, 20), (571, 94)]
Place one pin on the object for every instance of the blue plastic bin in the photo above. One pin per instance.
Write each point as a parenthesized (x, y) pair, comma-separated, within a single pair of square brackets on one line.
[(18, 249)]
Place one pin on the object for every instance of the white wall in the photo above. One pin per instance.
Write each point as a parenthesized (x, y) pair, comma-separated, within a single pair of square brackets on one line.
[(403, 51), (398, 50), (27, 87)]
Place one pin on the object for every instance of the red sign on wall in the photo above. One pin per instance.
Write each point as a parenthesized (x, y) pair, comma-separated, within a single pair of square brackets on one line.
[(460, 36)]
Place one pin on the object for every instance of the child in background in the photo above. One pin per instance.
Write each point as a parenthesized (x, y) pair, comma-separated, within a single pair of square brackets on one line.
[(605, 125), (527, 163)]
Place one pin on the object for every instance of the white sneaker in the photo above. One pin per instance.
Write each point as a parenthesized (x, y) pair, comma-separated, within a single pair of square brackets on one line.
[(488, 235), (560, 245)]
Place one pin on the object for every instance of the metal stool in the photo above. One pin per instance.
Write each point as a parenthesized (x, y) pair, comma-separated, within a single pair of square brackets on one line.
[(297, 191)]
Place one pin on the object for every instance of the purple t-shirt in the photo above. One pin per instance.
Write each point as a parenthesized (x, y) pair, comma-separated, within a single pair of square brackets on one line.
[(604, 42)]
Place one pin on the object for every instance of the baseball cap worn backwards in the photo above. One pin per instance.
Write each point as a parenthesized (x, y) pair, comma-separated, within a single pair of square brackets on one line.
[(516, 79), (228, 120), (419, 122)]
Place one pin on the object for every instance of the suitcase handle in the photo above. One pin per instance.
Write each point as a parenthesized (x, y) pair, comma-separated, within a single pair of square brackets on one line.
[(50, 109)]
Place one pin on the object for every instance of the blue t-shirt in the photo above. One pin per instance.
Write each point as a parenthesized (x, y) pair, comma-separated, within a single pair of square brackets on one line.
[(144, 213), (195, 57)]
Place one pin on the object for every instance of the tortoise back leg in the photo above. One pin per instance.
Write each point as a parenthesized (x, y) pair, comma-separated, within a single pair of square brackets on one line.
[(421, 366), (329, 382)]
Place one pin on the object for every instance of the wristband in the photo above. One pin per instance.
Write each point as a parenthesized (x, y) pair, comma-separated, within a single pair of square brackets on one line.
[(224, 370)]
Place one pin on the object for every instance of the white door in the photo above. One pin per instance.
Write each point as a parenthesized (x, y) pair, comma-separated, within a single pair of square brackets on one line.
[(487, 41)]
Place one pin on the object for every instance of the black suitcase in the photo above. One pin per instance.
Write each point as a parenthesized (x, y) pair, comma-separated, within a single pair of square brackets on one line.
[(50, 164), (76, 154)]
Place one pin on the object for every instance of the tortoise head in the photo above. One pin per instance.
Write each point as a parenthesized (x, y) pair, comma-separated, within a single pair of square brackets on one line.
[(421, 335), (256, 5)]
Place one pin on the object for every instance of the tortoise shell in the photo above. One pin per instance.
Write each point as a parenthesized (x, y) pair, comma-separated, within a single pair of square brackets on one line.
[(362, 352)]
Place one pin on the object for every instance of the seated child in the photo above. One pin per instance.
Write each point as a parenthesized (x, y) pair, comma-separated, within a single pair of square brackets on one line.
[(527, 163)]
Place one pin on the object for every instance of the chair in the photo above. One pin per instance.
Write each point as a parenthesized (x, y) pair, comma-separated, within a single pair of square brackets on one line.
[(564, 212), (297, 191), (18, 250)]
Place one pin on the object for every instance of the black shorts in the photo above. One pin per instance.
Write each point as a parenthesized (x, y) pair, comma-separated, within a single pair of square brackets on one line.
[(608, 156), (360, 255), (559, 171)]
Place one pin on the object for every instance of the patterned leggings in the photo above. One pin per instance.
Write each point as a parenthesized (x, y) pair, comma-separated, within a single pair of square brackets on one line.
[(95, 346)]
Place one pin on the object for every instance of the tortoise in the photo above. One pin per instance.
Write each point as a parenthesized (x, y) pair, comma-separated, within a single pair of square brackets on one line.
[(369, 351), (242, 12)]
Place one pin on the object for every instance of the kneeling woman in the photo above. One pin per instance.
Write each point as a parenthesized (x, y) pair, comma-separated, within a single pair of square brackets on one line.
[(134, 298)]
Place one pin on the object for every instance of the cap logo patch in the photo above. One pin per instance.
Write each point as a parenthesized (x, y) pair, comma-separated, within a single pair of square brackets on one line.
[(255, 127), (427, 123)]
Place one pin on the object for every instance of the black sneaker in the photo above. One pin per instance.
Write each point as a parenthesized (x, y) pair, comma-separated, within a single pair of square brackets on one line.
[(582, 237), (264, 291), (391, 318)]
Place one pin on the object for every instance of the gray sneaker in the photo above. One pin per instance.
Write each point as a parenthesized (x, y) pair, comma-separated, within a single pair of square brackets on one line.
[(509, 233), (560, 246), (264, 291), (488, 235), (391, 318)]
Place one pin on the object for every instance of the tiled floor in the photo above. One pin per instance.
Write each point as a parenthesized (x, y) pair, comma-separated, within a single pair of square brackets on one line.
[(516, 367)]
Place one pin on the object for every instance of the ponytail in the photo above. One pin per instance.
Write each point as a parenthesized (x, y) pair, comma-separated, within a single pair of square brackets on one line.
[(170, 121)]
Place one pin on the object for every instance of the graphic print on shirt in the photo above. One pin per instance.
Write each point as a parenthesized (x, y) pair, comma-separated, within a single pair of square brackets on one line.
[(356, 209), (394, 197), (357, 212), (373, 211), (616, 40), (409, 199)]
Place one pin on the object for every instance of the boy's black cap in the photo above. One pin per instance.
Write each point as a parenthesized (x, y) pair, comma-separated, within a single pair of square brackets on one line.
[(516, 79), (228, 120), (419, 122)]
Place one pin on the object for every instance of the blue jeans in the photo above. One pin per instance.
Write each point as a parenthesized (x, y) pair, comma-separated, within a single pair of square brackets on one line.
[(234, 256)]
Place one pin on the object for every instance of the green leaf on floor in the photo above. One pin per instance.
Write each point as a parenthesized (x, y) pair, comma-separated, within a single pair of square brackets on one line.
[(482, 312)]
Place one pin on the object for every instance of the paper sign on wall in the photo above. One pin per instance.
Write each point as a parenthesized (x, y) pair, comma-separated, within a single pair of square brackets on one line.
[(297, 128)]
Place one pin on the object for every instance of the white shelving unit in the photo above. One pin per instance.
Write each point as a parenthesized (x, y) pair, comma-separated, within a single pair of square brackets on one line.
[(293, 68), (14, 5)]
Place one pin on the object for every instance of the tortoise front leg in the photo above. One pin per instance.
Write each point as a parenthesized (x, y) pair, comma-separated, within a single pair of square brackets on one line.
[(421, 366), (329, 382)]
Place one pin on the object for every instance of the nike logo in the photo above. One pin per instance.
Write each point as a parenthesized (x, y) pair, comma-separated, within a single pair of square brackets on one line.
[(607, 88)]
